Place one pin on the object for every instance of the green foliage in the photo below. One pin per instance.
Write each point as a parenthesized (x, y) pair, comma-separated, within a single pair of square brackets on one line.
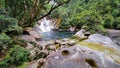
[(24, 65), (8, 28), (18, 41), (16, 56), (117, 23), (2, 3), (15, 14), (96, 15), (4, 64), (5, 40), (8, 24), (29, 11)]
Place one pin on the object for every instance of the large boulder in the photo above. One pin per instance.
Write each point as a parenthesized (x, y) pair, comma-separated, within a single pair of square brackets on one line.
[(28, 38), (104, 40), (97, 51), (114, 34), (80, 33), (79, 57), (33, 32)]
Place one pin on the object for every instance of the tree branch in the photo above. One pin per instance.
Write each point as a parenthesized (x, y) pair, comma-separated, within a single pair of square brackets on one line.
[(52, 8)]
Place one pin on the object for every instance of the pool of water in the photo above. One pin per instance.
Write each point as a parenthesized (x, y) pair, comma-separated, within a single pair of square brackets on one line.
[(53, 35)]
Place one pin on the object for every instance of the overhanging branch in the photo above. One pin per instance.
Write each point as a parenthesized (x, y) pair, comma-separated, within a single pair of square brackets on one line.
[(52, 8)]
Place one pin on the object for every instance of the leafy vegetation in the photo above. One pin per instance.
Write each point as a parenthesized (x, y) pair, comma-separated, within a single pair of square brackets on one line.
[(15, 15), (30, 11), (5, 40), (8, 24), (95, 15), (16, 56)]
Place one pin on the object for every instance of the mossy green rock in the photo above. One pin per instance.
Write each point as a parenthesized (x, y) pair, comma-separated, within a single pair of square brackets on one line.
[(97, 51), (79, 56)]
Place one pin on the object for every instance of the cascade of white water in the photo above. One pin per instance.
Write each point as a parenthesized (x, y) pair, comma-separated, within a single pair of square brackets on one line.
[(46, 25)]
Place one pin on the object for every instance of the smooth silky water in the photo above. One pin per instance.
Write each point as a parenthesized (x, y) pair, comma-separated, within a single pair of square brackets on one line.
[(46, 30), (53, 35)]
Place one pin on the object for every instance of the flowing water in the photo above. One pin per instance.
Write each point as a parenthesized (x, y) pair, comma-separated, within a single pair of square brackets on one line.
[(53, 35), (46, 29), (46, 25)]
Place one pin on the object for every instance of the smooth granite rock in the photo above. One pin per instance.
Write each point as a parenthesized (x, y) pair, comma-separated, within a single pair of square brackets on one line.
[(79, 57)]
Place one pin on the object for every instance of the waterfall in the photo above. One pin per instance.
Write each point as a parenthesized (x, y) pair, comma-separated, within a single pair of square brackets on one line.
[(45, 25)]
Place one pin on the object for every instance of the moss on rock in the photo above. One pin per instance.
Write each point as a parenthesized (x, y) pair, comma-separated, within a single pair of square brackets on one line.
[(111, 52)]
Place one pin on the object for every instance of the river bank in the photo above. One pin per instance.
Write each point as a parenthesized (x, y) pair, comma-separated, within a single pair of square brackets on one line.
[(97, 49)]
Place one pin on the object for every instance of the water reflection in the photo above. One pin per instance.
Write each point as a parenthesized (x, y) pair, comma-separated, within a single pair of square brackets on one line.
[(52, 35)]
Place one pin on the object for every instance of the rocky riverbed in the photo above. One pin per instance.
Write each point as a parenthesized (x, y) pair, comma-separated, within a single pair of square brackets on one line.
[(79, 51)]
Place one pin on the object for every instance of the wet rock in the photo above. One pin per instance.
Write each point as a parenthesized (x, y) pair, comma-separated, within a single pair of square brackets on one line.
[(50, 47), (87, 34), (72, 28), (58, 41), (79, 57), (99, 38), (80, 33), (65, 39), (28, 38), (40, 47), (43, 54), (104, 40), (52, 42), (29, 46), (37, 50), (26, 30), (32, 55), (117, 40), (40, 63), (57, 46), (36, 63), (35, 53), (65, 59), (46, 44), (71, 42), (113, 33), (64, 43), (41, 44), (35, 34)]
